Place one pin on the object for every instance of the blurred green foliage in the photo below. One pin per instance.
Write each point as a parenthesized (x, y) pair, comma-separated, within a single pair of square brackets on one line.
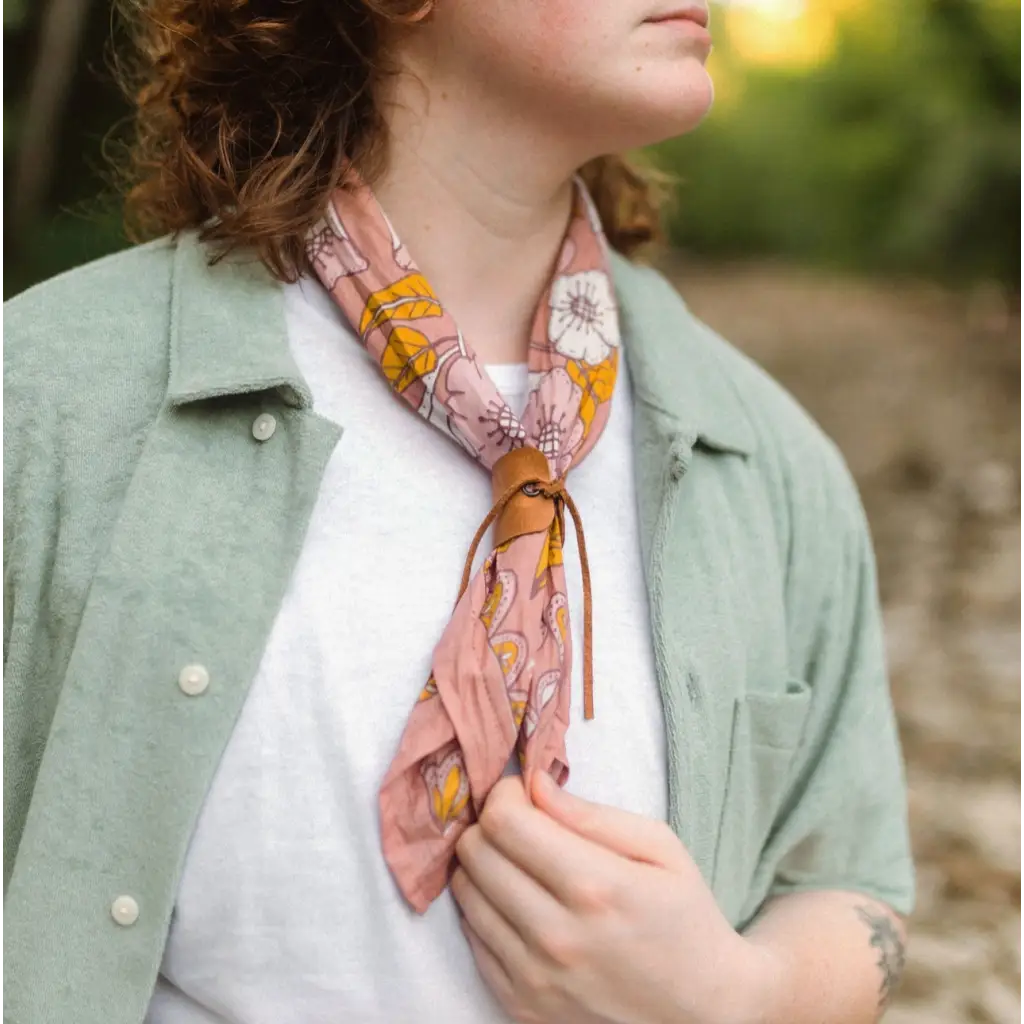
[(79, 217), (899, 153), (14, 13)]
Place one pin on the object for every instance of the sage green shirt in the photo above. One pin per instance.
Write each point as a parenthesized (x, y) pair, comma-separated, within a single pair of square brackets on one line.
[(145, 529)]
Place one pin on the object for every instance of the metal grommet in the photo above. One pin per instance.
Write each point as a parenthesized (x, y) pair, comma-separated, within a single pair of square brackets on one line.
[(531, 490)]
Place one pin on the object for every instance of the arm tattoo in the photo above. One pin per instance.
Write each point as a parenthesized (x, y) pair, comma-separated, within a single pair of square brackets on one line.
[(885, 938)]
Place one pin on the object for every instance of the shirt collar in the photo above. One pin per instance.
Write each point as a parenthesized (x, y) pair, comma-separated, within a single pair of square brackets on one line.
[(229, 337), (228, 332)]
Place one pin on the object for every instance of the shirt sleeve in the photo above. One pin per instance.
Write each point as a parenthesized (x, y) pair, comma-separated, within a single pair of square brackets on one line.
[(844, 822)]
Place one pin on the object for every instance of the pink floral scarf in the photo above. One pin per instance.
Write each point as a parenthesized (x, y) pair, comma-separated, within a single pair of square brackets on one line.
[(500, 672)]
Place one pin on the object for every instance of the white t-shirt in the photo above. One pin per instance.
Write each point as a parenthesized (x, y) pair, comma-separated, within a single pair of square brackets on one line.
[(286, 912)]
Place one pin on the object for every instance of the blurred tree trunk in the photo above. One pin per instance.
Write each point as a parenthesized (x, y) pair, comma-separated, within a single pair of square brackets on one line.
[(52, 74)]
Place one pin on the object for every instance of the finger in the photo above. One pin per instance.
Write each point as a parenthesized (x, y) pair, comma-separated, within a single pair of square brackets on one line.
[(629, 835), (503, 941), (495, 976), (529, 908), (542, 847)]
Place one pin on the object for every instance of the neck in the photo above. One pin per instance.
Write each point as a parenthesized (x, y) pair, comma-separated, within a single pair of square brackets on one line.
[(480, 209)]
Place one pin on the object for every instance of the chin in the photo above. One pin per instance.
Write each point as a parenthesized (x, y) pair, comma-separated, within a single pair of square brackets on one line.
[(659, 113), (675, 107)]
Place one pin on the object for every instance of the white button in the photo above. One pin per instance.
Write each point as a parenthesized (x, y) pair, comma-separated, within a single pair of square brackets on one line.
[(193, 680), (263, 427), (124, 910)]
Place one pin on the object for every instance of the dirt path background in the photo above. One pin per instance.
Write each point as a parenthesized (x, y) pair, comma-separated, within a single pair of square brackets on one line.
[(921, 390)]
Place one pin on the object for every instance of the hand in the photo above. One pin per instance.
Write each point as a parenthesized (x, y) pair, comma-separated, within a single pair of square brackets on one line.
[(579, 913)]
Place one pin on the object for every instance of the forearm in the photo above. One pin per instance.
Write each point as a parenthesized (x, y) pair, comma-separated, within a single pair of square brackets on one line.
[(828, 955)]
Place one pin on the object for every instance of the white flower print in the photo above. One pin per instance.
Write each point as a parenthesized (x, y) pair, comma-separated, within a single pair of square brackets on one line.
[(504, 430), (584, 320), (551, 424)]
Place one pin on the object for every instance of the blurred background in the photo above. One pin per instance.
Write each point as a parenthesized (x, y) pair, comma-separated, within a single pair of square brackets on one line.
[(849, 214)]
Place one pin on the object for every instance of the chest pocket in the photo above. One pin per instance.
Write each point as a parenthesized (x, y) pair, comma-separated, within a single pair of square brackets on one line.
[(766, 731)]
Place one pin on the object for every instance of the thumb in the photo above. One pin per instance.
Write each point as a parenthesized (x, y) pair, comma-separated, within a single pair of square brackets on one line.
[(629, 835)]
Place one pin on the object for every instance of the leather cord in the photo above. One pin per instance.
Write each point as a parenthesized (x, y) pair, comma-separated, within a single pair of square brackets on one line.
[(554, 490)]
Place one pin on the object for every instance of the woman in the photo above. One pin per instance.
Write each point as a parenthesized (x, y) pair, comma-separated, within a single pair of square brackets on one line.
[(257, 767)]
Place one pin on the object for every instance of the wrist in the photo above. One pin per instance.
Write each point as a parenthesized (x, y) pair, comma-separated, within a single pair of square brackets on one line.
[(757, 988)]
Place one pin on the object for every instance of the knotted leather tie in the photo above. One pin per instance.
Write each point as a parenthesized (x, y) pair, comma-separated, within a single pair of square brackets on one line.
[(526, 501)]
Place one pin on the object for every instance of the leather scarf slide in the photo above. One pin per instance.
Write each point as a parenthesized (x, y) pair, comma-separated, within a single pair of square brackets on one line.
[(499, 680)]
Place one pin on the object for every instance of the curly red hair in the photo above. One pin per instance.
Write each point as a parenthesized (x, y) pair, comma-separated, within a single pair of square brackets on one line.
[(245, 111)]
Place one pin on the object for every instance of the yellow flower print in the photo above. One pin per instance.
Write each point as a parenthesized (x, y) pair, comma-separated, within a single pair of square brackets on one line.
[(510, 649), (450, 798), (597, 383), (448, 787), (498, 601), (506, 652), (491, 605), (407, 357), (562, 621), (412, 298), (517, 700), (550, 554)]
